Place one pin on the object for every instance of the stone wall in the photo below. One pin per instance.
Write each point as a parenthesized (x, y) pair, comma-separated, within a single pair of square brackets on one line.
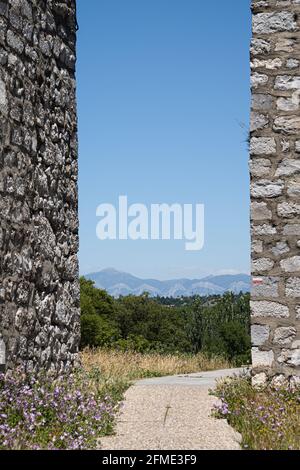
[(39, 291), (275, 189)]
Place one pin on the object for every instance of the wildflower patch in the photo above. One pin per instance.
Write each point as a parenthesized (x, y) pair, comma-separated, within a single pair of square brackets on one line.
[(42, 414), (268, 418)]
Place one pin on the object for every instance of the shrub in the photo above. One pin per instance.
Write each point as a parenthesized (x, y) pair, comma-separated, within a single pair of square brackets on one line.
[(236, 341), (96, 331)]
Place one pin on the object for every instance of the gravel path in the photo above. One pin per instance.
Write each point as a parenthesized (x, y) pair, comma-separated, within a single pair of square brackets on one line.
[(172, 413)]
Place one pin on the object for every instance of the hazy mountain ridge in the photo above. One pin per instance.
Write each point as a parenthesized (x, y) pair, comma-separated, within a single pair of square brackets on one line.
[(118, 283)]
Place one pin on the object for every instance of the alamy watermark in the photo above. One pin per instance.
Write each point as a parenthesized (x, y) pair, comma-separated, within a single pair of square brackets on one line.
[(159, 222)]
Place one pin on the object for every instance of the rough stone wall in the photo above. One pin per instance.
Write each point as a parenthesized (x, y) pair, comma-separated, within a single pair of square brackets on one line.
[(275, 189), (39, 291)]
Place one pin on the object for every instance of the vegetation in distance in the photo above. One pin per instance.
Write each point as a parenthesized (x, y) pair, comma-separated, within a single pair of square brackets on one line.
[(214, 325)]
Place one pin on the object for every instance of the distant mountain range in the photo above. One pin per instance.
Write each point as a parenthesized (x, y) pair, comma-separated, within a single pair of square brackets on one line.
[(118, 283)]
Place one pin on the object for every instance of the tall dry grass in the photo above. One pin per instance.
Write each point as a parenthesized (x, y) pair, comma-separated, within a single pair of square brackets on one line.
[(128, 366)]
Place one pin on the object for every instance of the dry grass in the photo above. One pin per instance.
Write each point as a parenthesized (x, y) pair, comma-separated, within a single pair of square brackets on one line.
[(128, 366)]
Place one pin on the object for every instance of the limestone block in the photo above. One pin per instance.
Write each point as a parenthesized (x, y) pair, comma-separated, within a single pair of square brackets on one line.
[(262, 358), (287, 124), (261, 167), (288, 209), (290, 357), (260, 46), (293, 287), (258, 80), (262, 102), (288, 167), (259, 334), (284, 335), (262, 264), (267, 189), (287, 83), (266, 287), (260, 211), (258, 121), (263, 146), (259, 380), (280, 249), (291, 265), (266, 23), (269, 309)]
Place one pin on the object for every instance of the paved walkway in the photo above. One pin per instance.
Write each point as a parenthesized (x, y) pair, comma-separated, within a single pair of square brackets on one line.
[(172, 413)]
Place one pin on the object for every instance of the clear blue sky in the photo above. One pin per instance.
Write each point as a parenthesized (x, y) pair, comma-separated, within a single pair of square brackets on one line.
[(163, 103)]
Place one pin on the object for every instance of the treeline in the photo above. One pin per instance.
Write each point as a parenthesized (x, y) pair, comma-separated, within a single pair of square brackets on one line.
[(213, 325), (184, 301)]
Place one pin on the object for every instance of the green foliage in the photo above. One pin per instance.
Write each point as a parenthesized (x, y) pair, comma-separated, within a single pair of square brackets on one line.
[(236, 342), (133, 343), (222, 326), (98, 327), (213, 325), (97, 331)]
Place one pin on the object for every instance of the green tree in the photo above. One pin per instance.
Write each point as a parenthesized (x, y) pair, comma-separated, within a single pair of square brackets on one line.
[(236, 342), (98, 326)]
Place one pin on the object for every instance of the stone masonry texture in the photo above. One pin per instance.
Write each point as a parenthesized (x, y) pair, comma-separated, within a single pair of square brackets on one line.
[(39, 288), (275, 190)]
